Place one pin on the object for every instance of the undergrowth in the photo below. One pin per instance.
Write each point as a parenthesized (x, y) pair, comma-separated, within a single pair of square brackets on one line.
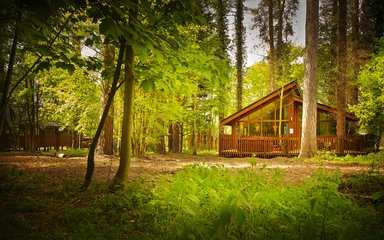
[(199, 202), (372, 159)]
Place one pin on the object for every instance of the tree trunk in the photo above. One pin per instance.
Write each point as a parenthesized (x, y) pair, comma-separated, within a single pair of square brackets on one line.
[(121, 176), (107, 134), (271, 47), (194, 128), (353, 88), (92, 147), (170, 138), (342, 76), (309, 124), (221, 13), (279, 49), (7, 82), (176, 138), (240, 32)]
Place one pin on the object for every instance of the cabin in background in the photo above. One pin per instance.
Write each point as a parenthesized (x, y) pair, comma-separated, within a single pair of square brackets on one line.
[(272, 127), (47, 136)]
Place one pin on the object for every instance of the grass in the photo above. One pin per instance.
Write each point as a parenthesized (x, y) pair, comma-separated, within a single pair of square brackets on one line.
[(371, 159), (198, 202)]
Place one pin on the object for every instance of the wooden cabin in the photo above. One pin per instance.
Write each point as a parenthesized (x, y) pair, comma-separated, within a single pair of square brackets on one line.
[(47, 136), (272, 127)]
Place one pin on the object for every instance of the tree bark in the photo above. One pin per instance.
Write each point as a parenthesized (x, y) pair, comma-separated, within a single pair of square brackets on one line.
[(8, 76), (92, 147), (221, 12), (279, 49), (121, 176), (239, 28), (271, 47), (106, 143), (309, 124), (194, 128), (353, 88), (342, 75)]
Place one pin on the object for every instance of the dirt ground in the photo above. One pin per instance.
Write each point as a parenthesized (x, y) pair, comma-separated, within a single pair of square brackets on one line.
[(58, 169)]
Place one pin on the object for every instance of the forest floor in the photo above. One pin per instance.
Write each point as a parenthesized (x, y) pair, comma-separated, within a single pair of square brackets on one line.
[(58, 169)]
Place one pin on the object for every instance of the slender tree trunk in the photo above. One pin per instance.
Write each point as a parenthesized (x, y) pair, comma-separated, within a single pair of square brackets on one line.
[(342, 76), (92, 147), (280, 46), (353, 88), (170, 138), (309, 124), (194, 128), (121, 176), (240, 32), (7, 82), (271, 47)]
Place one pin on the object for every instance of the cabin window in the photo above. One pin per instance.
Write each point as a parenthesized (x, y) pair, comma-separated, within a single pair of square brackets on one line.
[(284, 128), (256, 115), (267, 128), (265, 121), (326, 124), (244, 128), (269, 112), (284, 112)]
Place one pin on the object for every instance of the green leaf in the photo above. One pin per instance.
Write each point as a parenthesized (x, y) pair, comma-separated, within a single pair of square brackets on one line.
[(45, 65), (378, 195), (194, 199), (109, 28), (189, 211), (147, 84), (312, 203)]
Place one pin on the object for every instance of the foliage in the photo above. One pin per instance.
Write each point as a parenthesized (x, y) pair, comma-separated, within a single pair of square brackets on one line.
[(199, 202), (69, 99), (371, 159), (370, 109)]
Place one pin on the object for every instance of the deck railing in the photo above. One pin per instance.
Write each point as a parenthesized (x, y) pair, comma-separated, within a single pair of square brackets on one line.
[(270, 146), (45, 141)]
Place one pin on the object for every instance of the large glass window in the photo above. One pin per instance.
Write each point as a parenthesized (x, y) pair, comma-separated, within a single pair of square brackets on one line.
[(265, 121), (269, 112), (267, 128), (284, 112), (244, 128), (256, 115)]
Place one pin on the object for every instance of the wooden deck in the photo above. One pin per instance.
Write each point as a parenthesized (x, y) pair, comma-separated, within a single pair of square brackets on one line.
[(269, 146)]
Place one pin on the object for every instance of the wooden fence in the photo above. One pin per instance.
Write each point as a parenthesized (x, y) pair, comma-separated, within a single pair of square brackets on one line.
[(44, 141), (270, 146)]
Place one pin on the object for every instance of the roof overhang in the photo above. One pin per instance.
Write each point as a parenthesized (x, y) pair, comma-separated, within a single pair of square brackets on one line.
[(328, 109)]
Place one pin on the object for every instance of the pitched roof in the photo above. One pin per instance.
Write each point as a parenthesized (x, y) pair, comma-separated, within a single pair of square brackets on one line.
[(271, 97)]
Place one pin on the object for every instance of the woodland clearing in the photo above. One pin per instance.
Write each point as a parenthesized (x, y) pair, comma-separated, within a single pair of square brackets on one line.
[(58, 169)]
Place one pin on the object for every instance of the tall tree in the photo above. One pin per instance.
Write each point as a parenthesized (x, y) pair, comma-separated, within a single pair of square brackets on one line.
[(106, 143), (111, 95), (240, 35), (353, 88), (121, 176), (221, 10), (274, 20), (271, 46), (342, 74), (27, 22), (309, 124)]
